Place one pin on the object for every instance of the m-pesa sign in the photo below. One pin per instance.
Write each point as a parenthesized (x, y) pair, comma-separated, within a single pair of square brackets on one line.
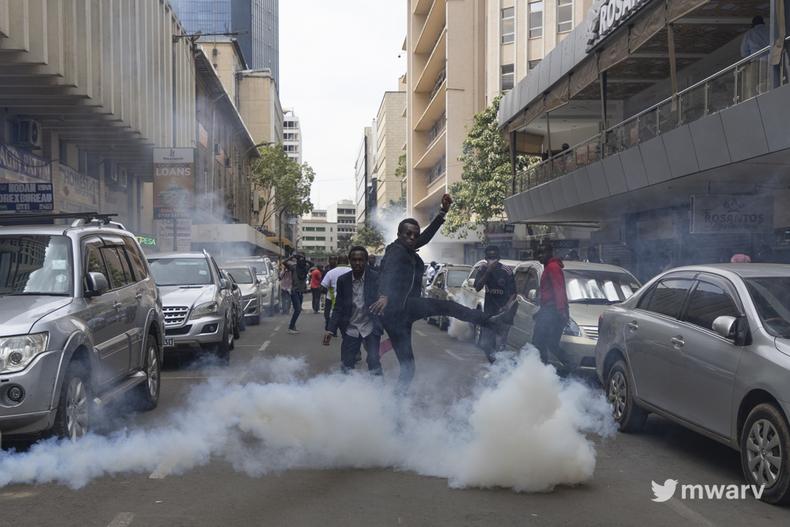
[(608, 15)]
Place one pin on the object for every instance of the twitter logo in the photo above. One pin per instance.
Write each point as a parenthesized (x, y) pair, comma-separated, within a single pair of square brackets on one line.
[(664, 492)]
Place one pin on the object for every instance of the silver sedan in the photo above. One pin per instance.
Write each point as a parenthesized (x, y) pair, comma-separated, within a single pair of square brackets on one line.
[(709, 348)]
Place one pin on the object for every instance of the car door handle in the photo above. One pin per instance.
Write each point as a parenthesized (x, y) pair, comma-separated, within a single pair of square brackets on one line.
[(678, 342), (633, 326)]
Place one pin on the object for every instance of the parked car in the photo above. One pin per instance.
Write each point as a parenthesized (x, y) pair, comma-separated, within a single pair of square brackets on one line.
[(81, 323), (251, 295), (591, 288), (239, 323), (270, 281), (709, 348), (476, 299), (197, 303), (446, 285)]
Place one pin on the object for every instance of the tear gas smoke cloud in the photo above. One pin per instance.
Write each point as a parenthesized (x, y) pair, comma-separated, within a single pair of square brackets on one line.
[(523, 428), (459, 329)]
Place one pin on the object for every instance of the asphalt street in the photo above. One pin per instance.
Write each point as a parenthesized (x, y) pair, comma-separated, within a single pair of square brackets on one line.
[(216, 494)]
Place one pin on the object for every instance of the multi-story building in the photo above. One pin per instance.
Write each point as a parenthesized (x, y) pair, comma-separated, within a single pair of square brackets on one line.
[(363, 175), (344, 214), (391, 131), (255, 23), (317, 235), (292, 136), (460, 55)]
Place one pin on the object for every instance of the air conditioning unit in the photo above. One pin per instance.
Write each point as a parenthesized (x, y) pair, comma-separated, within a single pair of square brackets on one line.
[(28, 133)]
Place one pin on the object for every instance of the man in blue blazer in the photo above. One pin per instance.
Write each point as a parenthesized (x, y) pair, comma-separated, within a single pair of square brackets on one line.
[(356, 291)]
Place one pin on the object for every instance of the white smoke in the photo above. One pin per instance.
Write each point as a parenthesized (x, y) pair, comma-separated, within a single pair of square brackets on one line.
[(523, 428), (458, 329)]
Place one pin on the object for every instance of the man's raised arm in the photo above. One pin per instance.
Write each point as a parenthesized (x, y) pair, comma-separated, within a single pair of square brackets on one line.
[(436, 224)]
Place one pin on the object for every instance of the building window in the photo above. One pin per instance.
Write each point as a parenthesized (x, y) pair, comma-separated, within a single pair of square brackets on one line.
[(533, 63), (564, 16), (508, 25), (535, 19), (508, 77)]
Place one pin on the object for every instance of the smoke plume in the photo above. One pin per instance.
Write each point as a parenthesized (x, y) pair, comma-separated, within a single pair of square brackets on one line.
[(522, 428)]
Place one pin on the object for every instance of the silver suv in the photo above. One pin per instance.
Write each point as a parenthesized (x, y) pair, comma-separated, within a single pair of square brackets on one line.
[(197, 302), (80, 323)]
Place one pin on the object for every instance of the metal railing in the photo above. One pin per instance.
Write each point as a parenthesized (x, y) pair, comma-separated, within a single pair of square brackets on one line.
[(735, 84)]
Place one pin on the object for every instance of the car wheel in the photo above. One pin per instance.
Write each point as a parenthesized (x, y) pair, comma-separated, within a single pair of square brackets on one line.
[(765, 453), (147, 393), (72, 420), (619, 391)]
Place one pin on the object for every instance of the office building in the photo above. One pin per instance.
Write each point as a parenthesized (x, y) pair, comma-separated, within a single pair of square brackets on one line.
[(292, 136), (391, 132), (363, 175)]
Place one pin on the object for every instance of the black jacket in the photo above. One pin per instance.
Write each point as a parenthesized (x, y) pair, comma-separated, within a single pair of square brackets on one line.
[(344, 301), (402, 270)]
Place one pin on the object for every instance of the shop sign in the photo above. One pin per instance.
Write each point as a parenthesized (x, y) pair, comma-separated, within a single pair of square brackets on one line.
[(26, 197), (19, 166), (720, 214), (607, 15), (173, 182), (146, 241), (80, 191)]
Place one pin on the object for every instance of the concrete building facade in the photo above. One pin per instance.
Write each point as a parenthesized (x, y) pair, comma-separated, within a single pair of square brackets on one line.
[(391, 133), (317, 235), (344, 215), (363, 174), (292, 136)]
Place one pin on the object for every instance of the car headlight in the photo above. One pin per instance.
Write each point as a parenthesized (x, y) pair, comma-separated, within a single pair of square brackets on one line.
[(208, 308), (17, 352), (572, 329)]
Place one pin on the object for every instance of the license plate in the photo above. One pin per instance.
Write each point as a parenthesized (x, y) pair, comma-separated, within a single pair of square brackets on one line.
[(170, 342)]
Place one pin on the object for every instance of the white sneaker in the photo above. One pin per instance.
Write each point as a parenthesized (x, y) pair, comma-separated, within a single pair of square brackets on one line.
[(293, 332)]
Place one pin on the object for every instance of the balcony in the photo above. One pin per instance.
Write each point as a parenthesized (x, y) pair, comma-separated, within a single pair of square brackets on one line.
[(736, 84), (433, 67), (434, 24), (436, 107), (421, 7)]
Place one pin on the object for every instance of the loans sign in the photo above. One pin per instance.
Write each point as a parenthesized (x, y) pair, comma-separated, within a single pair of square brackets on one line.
[(608, 15), (174, 187), (726, 213)]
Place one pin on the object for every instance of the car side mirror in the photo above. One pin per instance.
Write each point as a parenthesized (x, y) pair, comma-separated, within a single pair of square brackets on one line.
[(732, 328), (97, 284), (223, 283), (532, 295)]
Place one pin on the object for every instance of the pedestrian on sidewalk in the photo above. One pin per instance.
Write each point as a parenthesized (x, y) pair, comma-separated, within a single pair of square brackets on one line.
[(355, 292), (298, 267), (315, 288), (329, 284), (400, 303), (553, 315), (500, 287)]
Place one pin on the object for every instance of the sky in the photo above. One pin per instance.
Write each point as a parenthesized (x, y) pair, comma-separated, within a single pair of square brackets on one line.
[(337, 58)]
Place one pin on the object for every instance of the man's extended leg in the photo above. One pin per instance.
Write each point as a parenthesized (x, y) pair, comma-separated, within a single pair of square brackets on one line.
[(488, 342), (400, 335), (349, 347), (418, 308), (296, 300), (372, 343)]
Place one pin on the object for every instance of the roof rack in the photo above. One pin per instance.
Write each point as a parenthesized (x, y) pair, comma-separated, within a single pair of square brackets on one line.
[(80, 218)]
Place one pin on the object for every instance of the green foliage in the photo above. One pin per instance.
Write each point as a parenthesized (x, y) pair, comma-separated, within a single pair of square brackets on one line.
[(283, 184), (368, 237), (486, 180)]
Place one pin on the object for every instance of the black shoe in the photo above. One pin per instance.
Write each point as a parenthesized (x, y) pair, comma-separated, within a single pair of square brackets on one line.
[(503, 319)]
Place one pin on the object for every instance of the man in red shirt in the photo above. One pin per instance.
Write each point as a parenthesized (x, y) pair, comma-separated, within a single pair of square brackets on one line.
[(315, 288), (553, 316)]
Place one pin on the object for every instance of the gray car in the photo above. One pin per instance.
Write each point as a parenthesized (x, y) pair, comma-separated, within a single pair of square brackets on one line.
[(197, 303), (80, 324), (251, 294), (446, 285), (709, 348), (591, 288)]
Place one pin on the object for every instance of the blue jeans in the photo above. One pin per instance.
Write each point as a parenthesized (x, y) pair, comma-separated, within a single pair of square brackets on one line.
[(296, 300)]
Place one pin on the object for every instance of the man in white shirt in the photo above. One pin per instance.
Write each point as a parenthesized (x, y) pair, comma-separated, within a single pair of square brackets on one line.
[(329, 283)]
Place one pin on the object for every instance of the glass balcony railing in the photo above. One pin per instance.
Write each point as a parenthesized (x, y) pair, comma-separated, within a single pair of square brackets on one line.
[(737, 83)]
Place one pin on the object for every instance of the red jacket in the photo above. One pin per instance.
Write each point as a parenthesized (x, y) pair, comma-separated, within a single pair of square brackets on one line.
[(552, 286)]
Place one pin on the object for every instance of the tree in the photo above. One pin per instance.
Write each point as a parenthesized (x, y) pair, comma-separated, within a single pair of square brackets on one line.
[(368, 237), (486, 180), (281, 183)]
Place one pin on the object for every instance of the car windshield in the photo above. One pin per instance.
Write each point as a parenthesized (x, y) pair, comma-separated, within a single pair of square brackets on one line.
[(456, 278), (241, 275), (35, 265), (599, 287), (180, 271), (771, 297)]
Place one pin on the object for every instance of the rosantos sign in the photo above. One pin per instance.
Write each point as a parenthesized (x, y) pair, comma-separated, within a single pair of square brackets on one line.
[(608, 15)]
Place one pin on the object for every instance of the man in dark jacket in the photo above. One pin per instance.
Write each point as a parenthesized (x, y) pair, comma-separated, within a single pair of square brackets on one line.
[(400, 303), (297, 265), (553, 315), (500, 289), (356, 291)]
